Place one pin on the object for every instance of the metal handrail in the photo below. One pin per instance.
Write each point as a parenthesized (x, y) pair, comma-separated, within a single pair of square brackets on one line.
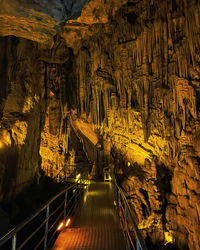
[(63, 169), (126, 211), (13, 233)]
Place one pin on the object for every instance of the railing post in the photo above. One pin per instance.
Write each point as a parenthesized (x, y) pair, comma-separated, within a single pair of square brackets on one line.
[(65, 205), (46, 228), (126, 216), (80, 190), (137, 244), (126, 211), (76, 196), (116, 192), (14, 241), (118, 200)]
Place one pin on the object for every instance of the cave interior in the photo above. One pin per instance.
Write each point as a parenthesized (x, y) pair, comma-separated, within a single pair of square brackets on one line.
[(86, 85)]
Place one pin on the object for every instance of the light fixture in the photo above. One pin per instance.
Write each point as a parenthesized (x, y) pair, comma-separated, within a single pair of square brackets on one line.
[(60, 226), (78, 176), (67, 223)]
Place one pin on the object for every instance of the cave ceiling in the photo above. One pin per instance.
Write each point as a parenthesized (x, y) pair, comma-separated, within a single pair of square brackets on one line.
[(41, 20), (123, 74)]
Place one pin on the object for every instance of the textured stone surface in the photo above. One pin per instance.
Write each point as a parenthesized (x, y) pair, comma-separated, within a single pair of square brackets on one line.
[(22, 108), (138, 84), (37, 20), (95, 13), (34, 126), (134, 81)]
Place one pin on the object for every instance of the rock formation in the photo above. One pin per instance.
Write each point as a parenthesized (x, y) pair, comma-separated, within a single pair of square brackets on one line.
[(37, 20), (138, 83), (124, 78), (35, 129), (22, 110)]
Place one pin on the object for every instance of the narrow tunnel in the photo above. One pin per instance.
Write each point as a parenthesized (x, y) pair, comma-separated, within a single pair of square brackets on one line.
[(87, 85)]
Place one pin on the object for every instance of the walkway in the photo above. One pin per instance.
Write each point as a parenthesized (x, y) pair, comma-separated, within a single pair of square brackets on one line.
[(96, 225)]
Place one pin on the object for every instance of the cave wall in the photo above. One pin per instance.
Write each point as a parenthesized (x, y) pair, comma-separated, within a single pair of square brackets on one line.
[(132, 73), (37, 20), (25, 99), (138, 82), (22, 109), (60, 149), (35, 129)]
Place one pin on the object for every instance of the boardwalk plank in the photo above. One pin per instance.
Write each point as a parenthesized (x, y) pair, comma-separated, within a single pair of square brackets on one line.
[(95, 225)]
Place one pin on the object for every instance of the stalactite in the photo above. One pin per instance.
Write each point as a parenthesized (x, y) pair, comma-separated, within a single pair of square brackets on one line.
[(152, 63)]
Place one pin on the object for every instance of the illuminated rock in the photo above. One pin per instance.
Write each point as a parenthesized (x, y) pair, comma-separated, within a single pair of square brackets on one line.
[(37, 20), (128, 88), (138, 84)]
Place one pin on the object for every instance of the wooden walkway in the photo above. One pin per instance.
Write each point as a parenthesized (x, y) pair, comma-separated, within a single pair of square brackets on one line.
[(95, 225)]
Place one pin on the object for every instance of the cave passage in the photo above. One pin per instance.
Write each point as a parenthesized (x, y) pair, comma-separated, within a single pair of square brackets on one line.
[(95, 224), (89, 86)]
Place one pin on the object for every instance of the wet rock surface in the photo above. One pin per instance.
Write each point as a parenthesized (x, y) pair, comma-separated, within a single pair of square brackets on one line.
[(137, 81), (129, 71)]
